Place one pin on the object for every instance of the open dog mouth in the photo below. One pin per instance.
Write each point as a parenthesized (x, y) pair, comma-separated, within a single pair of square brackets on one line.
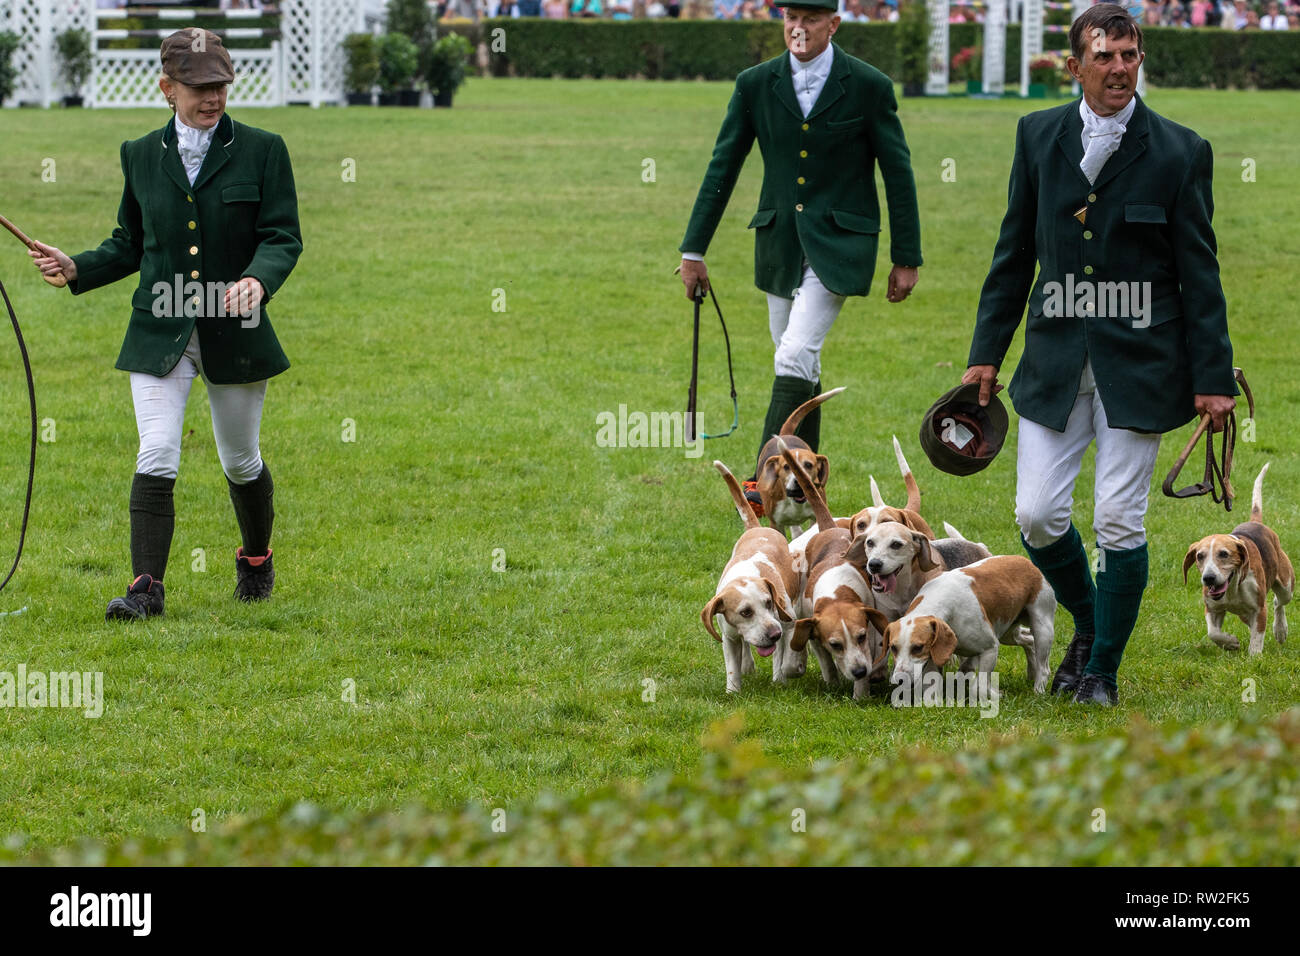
[(1217, 592), (884, 583), (765, 651)]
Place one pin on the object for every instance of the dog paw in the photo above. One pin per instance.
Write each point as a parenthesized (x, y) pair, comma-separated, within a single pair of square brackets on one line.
[(1226, 641)]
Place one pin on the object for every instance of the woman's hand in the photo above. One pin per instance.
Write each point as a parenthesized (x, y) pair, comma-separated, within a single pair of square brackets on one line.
[(52, 262), (244, 297)]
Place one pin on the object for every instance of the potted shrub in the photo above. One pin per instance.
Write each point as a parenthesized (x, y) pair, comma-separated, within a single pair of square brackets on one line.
[(361, 71), (75, 62), (414, 19), (1045, 75), (965, 66), (447, 66), (913, 46), (398, 58), (9, 44)]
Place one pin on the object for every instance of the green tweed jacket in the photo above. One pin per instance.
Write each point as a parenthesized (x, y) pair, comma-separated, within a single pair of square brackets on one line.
[(1147, 232), (818, 199), (240, 218)]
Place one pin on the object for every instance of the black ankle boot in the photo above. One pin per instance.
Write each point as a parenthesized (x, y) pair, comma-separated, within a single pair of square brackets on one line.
[(1070, 671), (253, 582), (1093, 689), (144, 598)]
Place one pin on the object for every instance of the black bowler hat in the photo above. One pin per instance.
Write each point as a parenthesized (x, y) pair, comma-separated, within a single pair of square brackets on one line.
[(959, 435)]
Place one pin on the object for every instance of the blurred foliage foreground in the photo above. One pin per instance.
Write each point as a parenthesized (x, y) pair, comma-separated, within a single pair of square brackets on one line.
[(1220, 794)]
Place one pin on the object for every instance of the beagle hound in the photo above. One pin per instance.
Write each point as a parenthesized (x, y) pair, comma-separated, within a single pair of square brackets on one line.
[(836, 613), (784, 501), (1237, 572), (754, 596), (969, 612)]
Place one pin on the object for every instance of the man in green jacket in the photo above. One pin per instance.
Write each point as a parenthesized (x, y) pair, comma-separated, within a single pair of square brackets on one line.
[(209, 219), (823, 120), (1127, 335)]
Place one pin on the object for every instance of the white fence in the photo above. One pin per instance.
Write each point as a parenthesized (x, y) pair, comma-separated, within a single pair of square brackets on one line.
[(302, 63)]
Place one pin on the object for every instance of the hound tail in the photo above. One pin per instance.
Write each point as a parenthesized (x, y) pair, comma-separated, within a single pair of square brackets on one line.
[(877, 500), (742, 504), (824, 519), (802, 411), (1257, 496), (953, 532), (913, 489)]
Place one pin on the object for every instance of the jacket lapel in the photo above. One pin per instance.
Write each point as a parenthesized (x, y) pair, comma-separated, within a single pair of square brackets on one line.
[(1070, 140), (833, 88), (783, 85), (1132, 145), (218, 151), (171, 158)]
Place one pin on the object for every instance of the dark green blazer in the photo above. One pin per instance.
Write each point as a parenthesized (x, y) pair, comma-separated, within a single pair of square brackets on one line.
[(1148, 220), (240, 218), (819, 188)]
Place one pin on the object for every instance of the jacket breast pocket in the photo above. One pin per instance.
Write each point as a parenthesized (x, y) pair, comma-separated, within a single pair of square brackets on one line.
[(845, 124), (1148, 212), (242, 192)]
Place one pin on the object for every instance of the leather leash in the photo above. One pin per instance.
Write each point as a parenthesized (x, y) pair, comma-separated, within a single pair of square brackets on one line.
[(695, 370), (31, 464), (1219, 471)]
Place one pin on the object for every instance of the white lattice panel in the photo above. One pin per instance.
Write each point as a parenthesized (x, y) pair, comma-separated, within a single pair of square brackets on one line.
[(306, 65), (312, 34), (130, 78)]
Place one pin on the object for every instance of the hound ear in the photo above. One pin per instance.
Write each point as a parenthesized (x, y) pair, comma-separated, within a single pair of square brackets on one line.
[(943, 641), (884, 654), (877, 619), (777, 602), (767, 472), (857, 553), (803, 633), (1241, 552), (1188, 560), (706, 615), (823, 470), (924, 556)]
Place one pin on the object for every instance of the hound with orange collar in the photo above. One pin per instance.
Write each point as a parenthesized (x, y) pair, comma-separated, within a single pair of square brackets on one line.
[(1237, 572), (754, 596)]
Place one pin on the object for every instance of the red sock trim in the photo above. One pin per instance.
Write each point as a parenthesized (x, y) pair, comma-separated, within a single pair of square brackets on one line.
[(255, 562)]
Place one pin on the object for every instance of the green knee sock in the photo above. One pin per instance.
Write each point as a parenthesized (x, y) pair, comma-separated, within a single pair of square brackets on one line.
[(1064, 563), (788, 393), (153, 519), (255, 511), (1121, 579)]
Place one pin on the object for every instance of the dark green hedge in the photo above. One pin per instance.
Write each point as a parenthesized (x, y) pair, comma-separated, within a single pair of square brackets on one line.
[(718, 50)]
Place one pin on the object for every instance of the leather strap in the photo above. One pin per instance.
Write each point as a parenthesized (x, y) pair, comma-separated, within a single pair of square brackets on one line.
[(695, 370), (1218, 472), (31, 462)]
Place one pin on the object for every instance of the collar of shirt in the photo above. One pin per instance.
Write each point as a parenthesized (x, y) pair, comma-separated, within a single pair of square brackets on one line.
[(1094, 125), (193, 146), (810, 77)]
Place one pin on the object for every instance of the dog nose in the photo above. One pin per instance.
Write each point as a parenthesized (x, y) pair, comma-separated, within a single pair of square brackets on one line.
[(774, 632), (874, 565), (859, 673), (1207, 579)]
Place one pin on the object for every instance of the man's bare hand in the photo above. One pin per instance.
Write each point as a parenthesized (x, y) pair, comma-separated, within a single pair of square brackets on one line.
[(52, 261), (244, 297), (1218, 407), (987, 377), (695, 275), (902, 280)]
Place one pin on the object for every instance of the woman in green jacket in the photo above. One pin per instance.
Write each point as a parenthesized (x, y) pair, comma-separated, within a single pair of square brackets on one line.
[(209, 219)]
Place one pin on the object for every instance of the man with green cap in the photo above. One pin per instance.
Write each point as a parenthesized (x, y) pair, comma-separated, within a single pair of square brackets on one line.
[(1126, 335), (823, 120)]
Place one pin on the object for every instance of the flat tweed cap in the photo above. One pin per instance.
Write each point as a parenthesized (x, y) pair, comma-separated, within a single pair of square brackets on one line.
[(196, 58)]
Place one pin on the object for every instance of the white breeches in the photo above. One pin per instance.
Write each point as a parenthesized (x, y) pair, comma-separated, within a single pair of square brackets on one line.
[(800, 326)]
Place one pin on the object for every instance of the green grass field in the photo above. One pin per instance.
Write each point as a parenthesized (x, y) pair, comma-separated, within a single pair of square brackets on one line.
[(475, 430)]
